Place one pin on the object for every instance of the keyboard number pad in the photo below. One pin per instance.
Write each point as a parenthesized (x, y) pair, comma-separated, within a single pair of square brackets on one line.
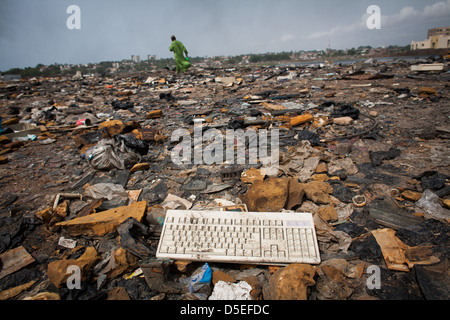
[(300, 243)]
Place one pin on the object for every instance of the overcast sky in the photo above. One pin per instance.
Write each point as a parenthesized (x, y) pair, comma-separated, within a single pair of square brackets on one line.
[(33, 32)]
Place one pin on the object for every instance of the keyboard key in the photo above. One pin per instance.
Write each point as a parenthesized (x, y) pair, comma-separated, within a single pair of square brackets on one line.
[(171, 250), (190, 251), (218, 251), (164, 249), (249, 246), (169, 243), (274, 250), (180, 250)]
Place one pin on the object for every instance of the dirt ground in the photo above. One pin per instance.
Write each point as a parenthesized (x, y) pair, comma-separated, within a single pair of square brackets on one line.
[(395, 112)]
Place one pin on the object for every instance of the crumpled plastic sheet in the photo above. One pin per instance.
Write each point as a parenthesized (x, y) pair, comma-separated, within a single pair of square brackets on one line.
[(106, 190), (131, 231), (231, 291), (174, 202), (429, 203), (297, 161), (199, 284), (330, 241), (109, 154), (346, 164)]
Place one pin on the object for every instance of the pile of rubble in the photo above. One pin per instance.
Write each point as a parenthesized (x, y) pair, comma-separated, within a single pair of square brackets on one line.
[(87, 175)]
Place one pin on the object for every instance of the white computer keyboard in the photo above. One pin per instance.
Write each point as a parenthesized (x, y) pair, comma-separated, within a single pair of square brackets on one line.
[(239, 237)]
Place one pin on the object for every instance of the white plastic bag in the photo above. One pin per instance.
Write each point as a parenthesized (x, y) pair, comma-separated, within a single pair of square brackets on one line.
[(231, 291), (106, 190), (109, 154)]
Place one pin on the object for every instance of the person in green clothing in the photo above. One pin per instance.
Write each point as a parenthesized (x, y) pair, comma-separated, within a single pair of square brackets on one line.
[(179, 50)]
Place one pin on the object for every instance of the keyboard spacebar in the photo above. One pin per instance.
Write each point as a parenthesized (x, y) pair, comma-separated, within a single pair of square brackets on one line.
[(222, 252)]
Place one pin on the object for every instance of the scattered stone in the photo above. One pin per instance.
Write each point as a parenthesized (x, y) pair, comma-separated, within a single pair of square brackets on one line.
[(252, 175), (318, 192), (154, 114), (343, 121), (267, 196), (290, 283), (327, 213), (113, 127)]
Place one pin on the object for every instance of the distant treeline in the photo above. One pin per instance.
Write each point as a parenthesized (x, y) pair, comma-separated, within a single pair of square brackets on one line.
[(103, 68), (107, 67)]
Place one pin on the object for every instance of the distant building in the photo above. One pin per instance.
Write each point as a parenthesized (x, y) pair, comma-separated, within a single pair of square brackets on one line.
[(378, 51), (308, 56), (437, 38), (64, 67), (136, 59), (439, 32), (151, 57)]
